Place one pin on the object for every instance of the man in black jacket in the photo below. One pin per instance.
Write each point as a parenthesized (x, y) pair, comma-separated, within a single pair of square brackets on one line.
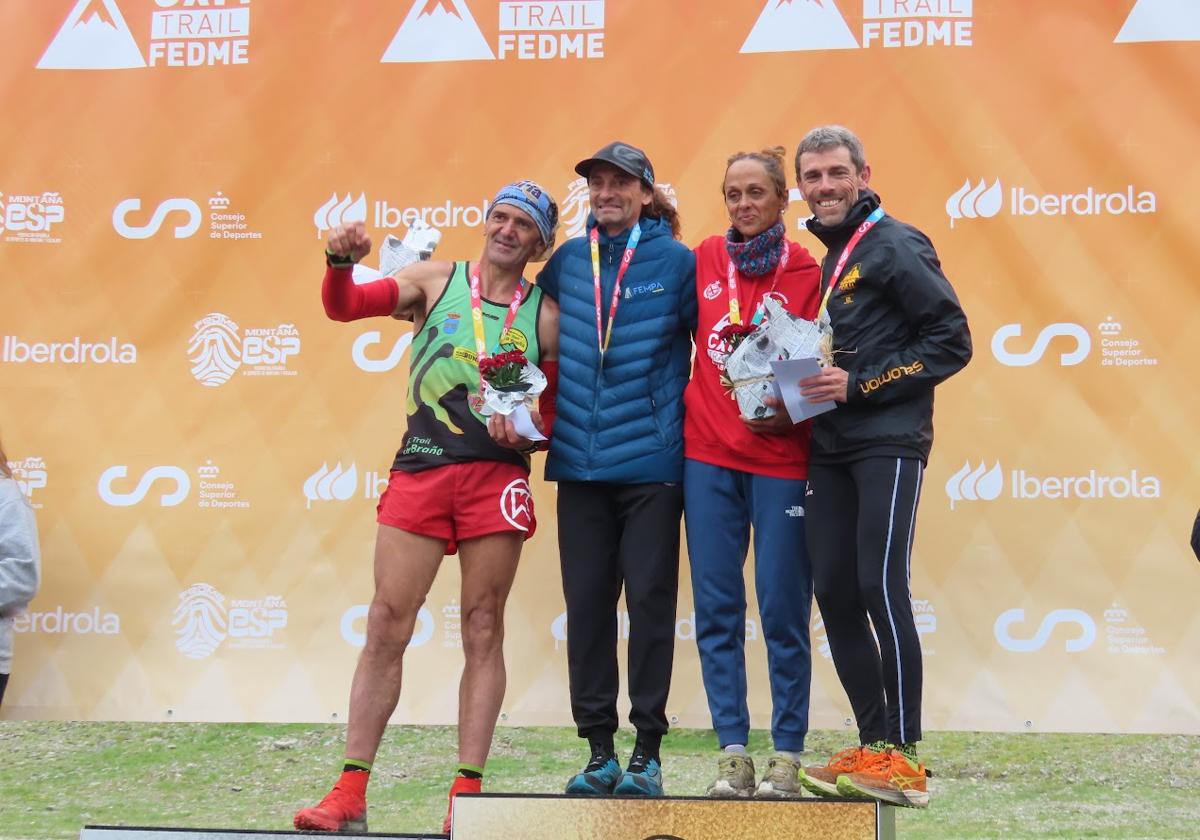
[(898, 331)]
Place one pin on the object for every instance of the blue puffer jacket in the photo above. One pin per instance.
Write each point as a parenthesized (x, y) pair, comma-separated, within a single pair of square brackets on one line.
[(624, 422)]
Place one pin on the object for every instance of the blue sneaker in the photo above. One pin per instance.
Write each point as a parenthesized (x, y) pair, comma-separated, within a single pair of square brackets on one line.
[(598, 778), (643, 776)]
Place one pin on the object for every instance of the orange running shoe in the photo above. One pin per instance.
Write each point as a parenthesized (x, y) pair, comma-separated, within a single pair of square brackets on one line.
[(461, 785), (822, 780), (891, 777), (344, 809)]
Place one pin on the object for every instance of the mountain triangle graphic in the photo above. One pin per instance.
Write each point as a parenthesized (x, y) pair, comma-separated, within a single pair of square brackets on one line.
[(791, 25), (1161, 20), (93, 37), (438, 30)]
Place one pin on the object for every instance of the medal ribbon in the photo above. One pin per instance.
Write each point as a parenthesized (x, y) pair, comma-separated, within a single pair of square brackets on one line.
[(867, 224), (481, 352), (603, 336), (735, 308)]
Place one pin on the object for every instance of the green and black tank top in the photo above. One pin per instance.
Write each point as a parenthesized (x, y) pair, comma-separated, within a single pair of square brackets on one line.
[(442, 427)]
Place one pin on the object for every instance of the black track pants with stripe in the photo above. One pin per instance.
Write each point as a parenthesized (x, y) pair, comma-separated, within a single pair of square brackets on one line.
[(859, 520)]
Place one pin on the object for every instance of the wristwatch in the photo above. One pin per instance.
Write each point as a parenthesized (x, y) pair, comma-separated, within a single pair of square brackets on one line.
[(338, 260)]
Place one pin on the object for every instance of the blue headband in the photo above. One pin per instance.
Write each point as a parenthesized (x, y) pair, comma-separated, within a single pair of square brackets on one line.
[(530, 197)]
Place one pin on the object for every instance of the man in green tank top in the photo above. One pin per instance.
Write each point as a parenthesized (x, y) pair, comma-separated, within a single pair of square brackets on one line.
[(452, 487)]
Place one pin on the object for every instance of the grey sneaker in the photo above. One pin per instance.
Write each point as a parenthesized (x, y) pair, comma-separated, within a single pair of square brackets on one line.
[(735, 777), (780, 781)]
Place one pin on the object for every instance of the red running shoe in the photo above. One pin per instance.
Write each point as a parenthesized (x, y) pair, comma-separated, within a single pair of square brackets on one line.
[(344, 809), (461, 785)]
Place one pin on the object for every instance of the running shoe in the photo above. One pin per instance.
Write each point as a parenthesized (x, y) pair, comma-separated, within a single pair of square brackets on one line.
[(823, 780), (342, 810), (598, 778), (891, 777), (735, 777), (461, 785), (781, 781), (643, 776)]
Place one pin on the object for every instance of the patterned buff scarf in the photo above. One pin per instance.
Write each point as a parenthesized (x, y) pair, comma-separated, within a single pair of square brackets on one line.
[(757, 256)]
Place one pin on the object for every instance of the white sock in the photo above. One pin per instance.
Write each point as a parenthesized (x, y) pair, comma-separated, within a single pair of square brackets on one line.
[(794, 757), (738, 749)]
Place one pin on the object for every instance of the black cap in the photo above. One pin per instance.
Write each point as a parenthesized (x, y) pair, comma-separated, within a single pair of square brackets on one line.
[(627, 158)]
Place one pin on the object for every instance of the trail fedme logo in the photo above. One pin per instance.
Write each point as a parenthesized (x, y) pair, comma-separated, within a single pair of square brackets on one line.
[(183, 33), (794, 25), (1084, 628), (1161, 20), (445, 30)]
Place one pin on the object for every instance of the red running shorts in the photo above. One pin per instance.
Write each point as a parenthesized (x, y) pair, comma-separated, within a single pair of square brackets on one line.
[(459, 501)]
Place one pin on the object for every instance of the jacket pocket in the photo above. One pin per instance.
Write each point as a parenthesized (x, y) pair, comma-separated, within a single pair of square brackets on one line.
[(658, 425)]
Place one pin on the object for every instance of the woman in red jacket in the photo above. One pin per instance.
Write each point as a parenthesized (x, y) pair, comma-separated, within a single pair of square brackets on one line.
[(744, 476)]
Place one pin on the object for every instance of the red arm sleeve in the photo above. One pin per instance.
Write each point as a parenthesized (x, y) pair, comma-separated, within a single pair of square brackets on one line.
[(548, 401), (345, 301)]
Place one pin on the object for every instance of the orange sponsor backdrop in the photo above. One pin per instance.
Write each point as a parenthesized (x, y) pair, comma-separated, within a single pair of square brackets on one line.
[(204, 447)]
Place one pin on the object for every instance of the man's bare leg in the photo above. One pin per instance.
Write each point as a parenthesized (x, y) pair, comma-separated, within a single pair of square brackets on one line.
[(405, 566), (489, 564)]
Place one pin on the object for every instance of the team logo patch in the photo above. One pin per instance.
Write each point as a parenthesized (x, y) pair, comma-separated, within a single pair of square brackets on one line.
[(514, 339), (516, 504), (850, 280), (712, 290)]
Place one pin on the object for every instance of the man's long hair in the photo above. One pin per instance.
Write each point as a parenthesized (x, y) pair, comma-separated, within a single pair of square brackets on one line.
[(662, 208)]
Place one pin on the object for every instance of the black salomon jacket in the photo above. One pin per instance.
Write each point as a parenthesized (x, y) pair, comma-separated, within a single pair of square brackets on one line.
[(898, 330)]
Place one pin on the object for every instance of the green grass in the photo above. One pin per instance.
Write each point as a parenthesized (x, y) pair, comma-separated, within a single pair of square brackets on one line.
[(57, 777)]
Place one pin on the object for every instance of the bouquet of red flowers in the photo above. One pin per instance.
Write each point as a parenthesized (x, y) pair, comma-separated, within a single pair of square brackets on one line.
[(503, 371), (510, 382), (734, 334)]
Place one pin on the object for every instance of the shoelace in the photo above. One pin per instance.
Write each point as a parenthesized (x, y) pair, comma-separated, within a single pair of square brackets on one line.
[(343, 799), (637, 764), (877, 762), (778, 769), (730, 765), (846, 759), (599, 759)]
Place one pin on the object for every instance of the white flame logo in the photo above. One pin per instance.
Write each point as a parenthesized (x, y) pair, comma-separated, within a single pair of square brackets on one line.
[(975, 484), (199, 621), (975, 202), (326, 484), (575, 208), (337, 211), (215, 350)]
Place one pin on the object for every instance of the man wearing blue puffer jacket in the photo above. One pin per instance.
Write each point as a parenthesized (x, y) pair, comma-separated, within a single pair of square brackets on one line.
[(626, 292)]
